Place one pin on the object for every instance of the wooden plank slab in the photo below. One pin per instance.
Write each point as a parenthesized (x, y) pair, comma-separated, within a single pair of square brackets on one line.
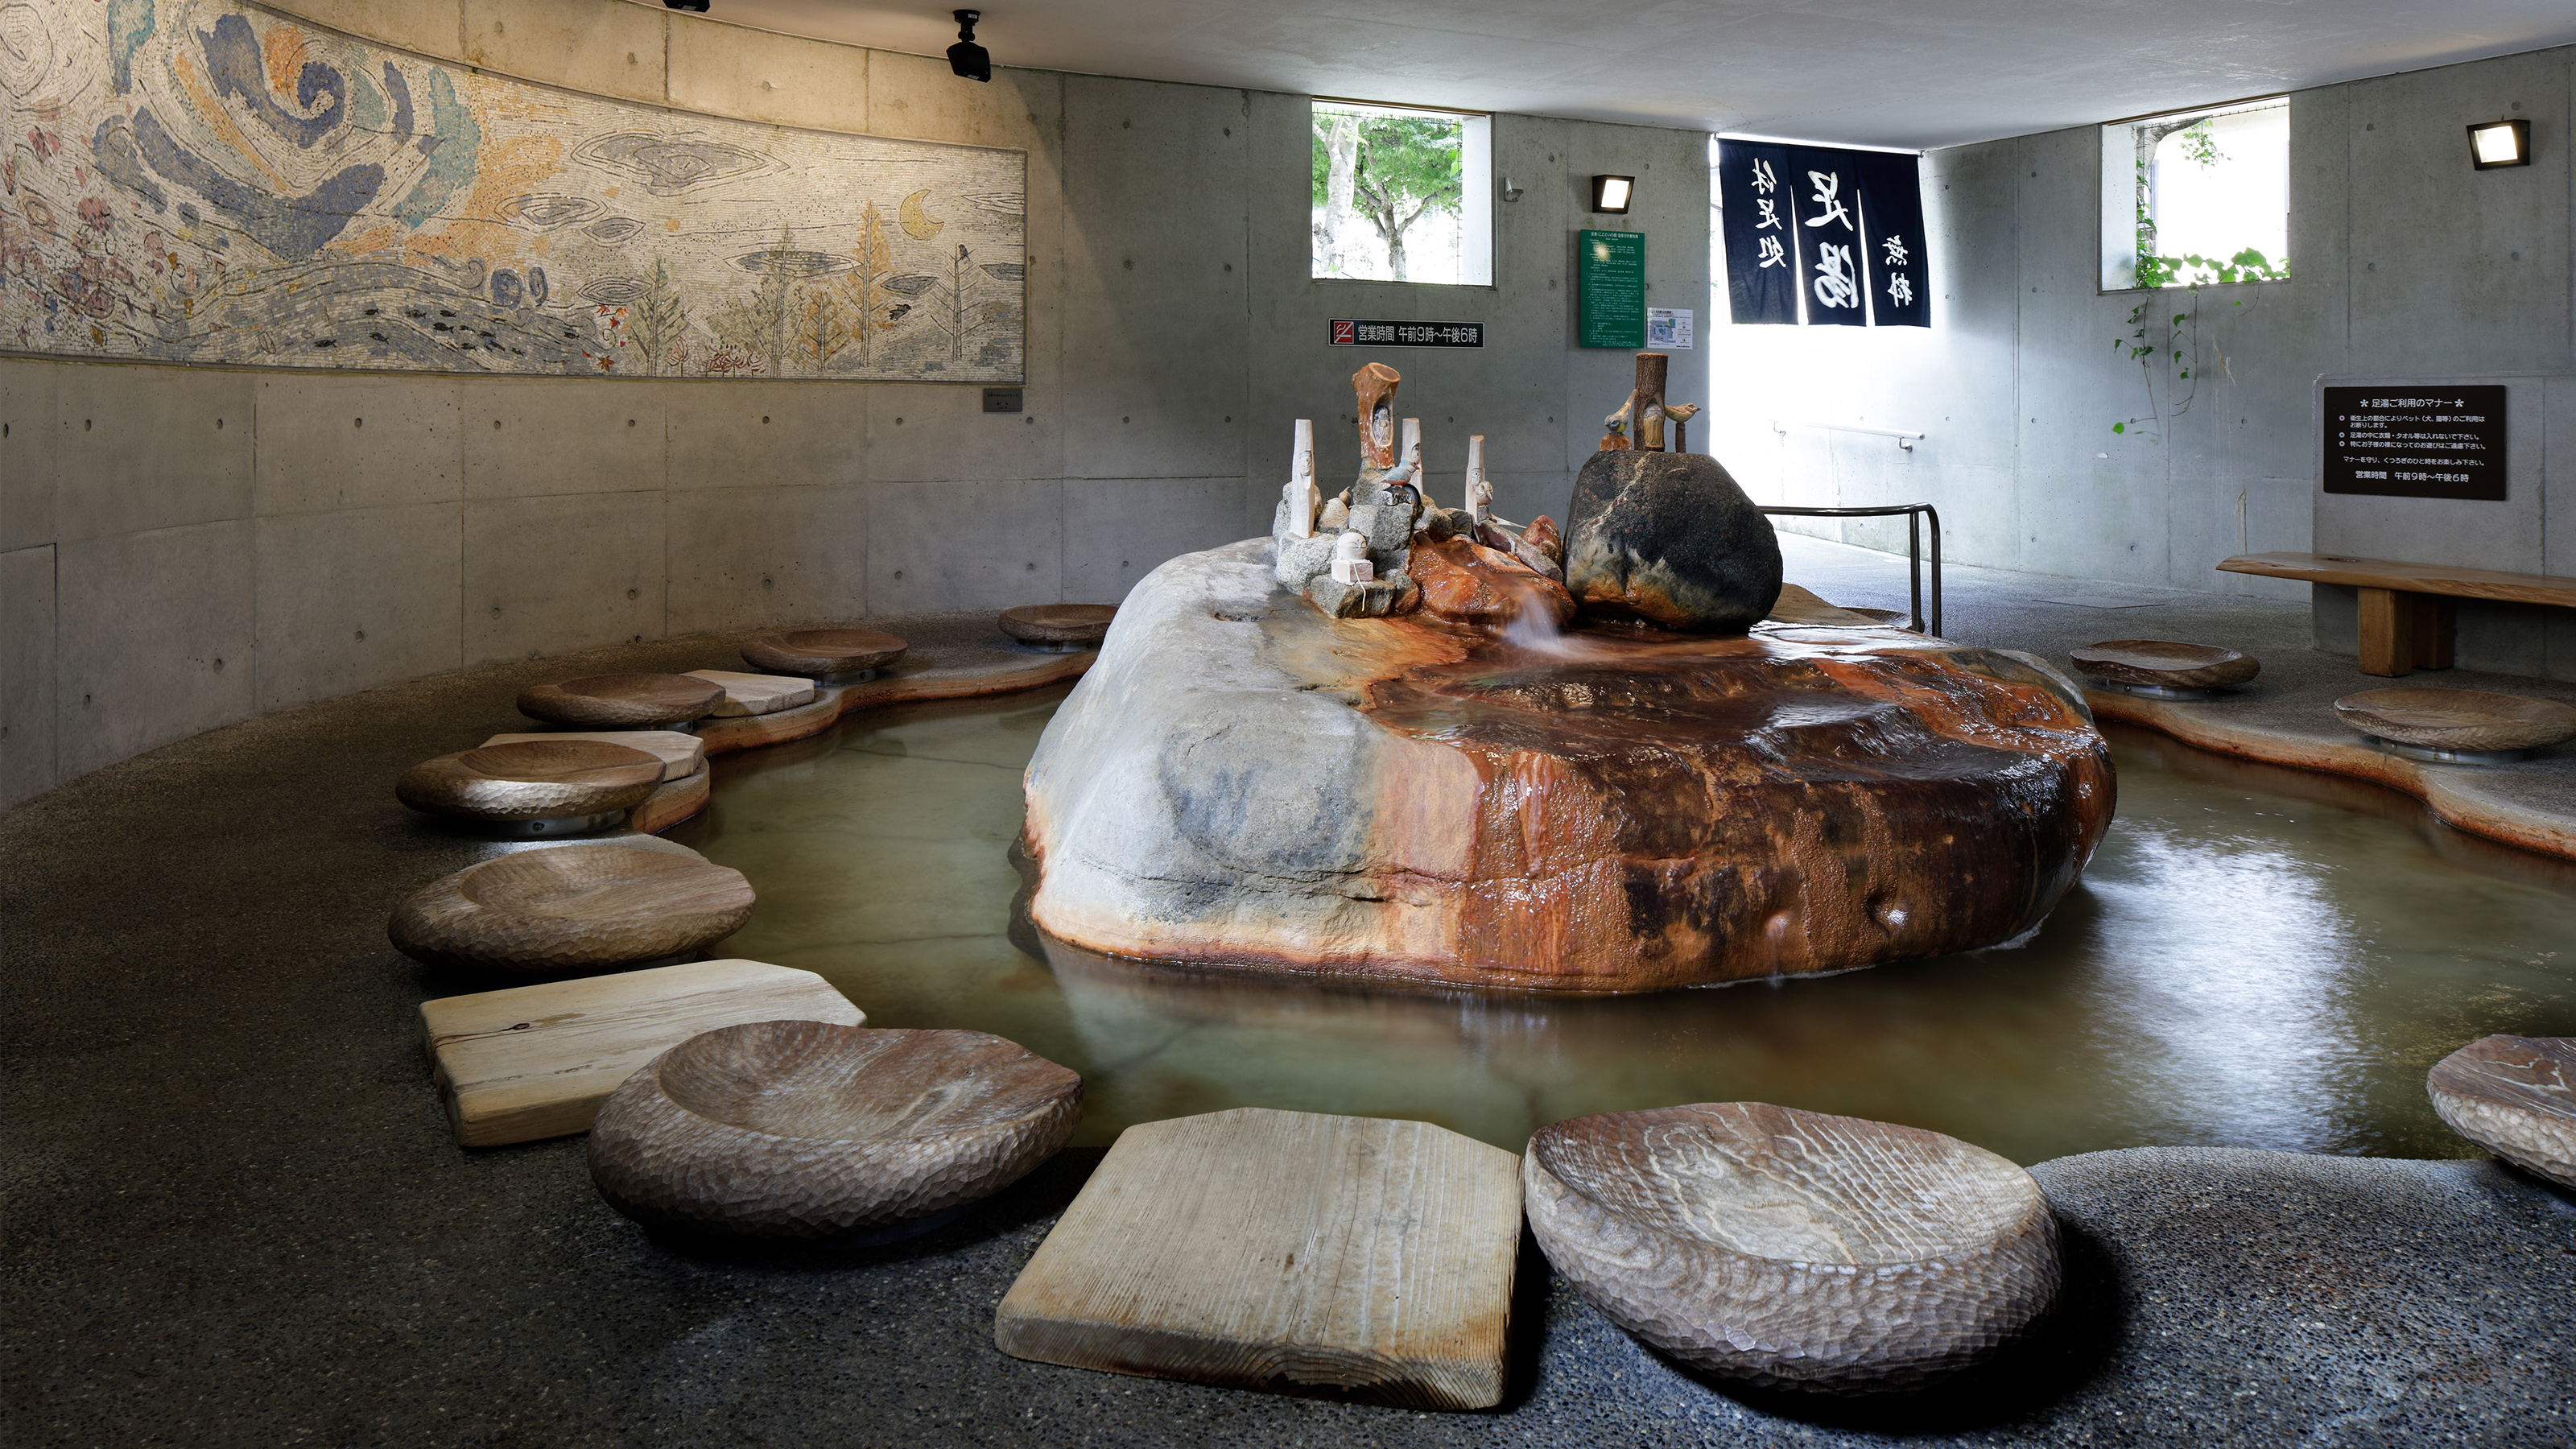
[(682, 754), (2419, 578), (748, 694), (536, 1061), (1287, 1251)]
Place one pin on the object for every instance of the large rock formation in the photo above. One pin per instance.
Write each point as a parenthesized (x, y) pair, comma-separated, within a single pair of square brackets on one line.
[(1243, 781), (1669, 539)]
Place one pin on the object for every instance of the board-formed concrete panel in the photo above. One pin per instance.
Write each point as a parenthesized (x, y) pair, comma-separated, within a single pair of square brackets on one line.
[(548, 575), (763, 76), (137, 449), (608, 50), (356, 598), (769, 555), (153, 640), (938, 547), (26, 673), (778, 434), (554, 437), (350, 441), (27, 438), (1116, 531)]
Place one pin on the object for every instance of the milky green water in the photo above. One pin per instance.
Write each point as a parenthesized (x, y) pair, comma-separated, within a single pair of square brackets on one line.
[(2255, 958)]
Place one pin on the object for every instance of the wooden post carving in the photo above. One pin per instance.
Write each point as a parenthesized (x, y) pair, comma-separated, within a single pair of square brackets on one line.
[(1374, 386), (1647, 402)]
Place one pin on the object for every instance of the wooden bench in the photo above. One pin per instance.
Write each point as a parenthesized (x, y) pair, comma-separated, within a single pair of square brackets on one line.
[(2406, 607)]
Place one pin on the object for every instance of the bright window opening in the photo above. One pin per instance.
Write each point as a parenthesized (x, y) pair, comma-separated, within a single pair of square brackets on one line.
[(1403, 195), (2197, 197)]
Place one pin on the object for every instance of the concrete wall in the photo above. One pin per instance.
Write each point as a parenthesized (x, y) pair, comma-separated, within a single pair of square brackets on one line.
[(2405, 263), (182, 547)]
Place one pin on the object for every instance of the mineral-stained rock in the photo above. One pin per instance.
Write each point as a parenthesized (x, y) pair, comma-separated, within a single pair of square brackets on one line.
[(1542, 535), (1668, 538), (1404, 799), (1468, 583)]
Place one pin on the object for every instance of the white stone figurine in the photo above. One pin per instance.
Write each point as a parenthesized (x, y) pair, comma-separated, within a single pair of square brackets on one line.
[(1302, 494), (1409, 459), (1480, 494), (1350, 560)]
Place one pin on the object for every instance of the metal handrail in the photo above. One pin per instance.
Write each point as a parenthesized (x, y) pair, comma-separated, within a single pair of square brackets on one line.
[(1904, 439), (1915, 514)]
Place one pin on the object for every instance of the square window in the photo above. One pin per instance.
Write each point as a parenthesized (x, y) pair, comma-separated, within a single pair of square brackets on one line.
[(1403, 195), (2197, 197)]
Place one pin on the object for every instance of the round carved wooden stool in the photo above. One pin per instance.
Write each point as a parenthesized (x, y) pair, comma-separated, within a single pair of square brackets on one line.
[(1792, 1249), (587, 907), (622, 701), (1059, 626), (826, 656), (2161, 668), (2458, 726), (534, 787), (806, 1129)]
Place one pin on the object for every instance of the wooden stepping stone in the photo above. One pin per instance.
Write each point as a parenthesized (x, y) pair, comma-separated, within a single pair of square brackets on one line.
[(1059, 626), (536, 1061), (2471, 722), (1792, 1249), (749, 694), (808, 1129), (544, 786), (2164, 664), (586, 907), (1283, 1250), (827, 656), (622, 701), (682, 754), (2515, 1096)]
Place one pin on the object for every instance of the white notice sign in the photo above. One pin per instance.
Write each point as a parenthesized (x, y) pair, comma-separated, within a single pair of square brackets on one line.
[(1668, 328)]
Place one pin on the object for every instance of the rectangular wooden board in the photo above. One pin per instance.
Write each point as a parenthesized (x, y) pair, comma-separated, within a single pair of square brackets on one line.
[(682, 754), (1283, 1250), (2419, 578), (536, 1061), (756, 693)]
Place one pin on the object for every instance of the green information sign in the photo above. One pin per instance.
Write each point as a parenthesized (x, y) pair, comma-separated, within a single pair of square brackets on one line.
[(1610, 270)]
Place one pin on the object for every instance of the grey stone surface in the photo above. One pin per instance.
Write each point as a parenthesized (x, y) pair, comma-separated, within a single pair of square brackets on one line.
[(1670, 539), (237, 1215)]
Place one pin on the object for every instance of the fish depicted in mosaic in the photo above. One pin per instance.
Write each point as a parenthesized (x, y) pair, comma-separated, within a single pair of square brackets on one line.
[(204, 181)]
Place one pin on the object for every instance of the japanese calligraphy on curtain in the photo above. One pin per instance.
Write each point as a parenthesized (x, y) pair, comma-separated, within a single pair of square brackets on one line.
[(1822, 236)]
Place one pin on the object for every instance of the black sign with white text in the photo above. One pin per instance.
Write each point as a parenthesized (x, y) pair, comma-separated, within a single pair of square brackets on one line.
[(1351, 332), (2417, 440)]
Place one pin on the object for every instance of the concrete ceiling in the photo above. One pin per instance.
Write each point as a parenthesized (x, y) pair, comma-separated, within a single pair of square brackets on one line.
[(1904, 73)]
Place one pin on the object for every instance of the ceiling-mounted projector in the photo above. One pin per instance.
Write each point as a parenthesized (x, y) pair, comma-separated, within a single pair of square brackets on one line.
[(967, 58)]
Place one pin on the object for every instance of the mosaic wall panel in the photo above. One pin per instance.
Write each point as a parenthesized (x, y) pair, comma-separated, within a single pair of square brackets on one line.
[(202, 181)]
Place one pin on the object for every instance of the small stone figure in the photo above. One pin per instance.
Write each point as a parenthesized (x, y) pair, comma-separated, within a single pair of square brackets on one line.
[(1480, 494), (1350, 560), (1302, 494), (1374, 387), (1410, 457)]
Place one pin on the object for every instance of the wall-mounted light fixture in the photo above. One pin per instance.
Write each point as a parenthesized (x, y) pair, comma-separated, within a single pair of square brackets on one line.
[(967, 58), (1512, 192), (2494, 144), (695, 6), (1610, 194)]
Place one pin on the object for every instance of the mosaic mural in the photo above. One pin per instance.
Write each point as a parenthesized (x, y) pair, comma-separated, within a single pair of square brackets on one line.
[(202, 181)]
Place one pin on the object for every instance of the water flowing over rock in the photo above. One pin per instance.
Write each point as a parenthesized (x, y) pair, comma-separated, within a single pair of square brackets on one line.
[(1243, 782)]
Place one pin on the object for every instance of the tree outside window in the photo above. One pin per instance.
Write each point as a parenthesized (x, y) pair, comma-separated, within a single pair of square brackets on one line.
[(1401, 195)]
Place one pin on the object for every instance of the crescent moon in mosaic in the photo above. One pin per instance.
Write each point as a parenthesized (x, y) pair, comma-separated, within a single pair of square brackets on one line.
[(917, 223)]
